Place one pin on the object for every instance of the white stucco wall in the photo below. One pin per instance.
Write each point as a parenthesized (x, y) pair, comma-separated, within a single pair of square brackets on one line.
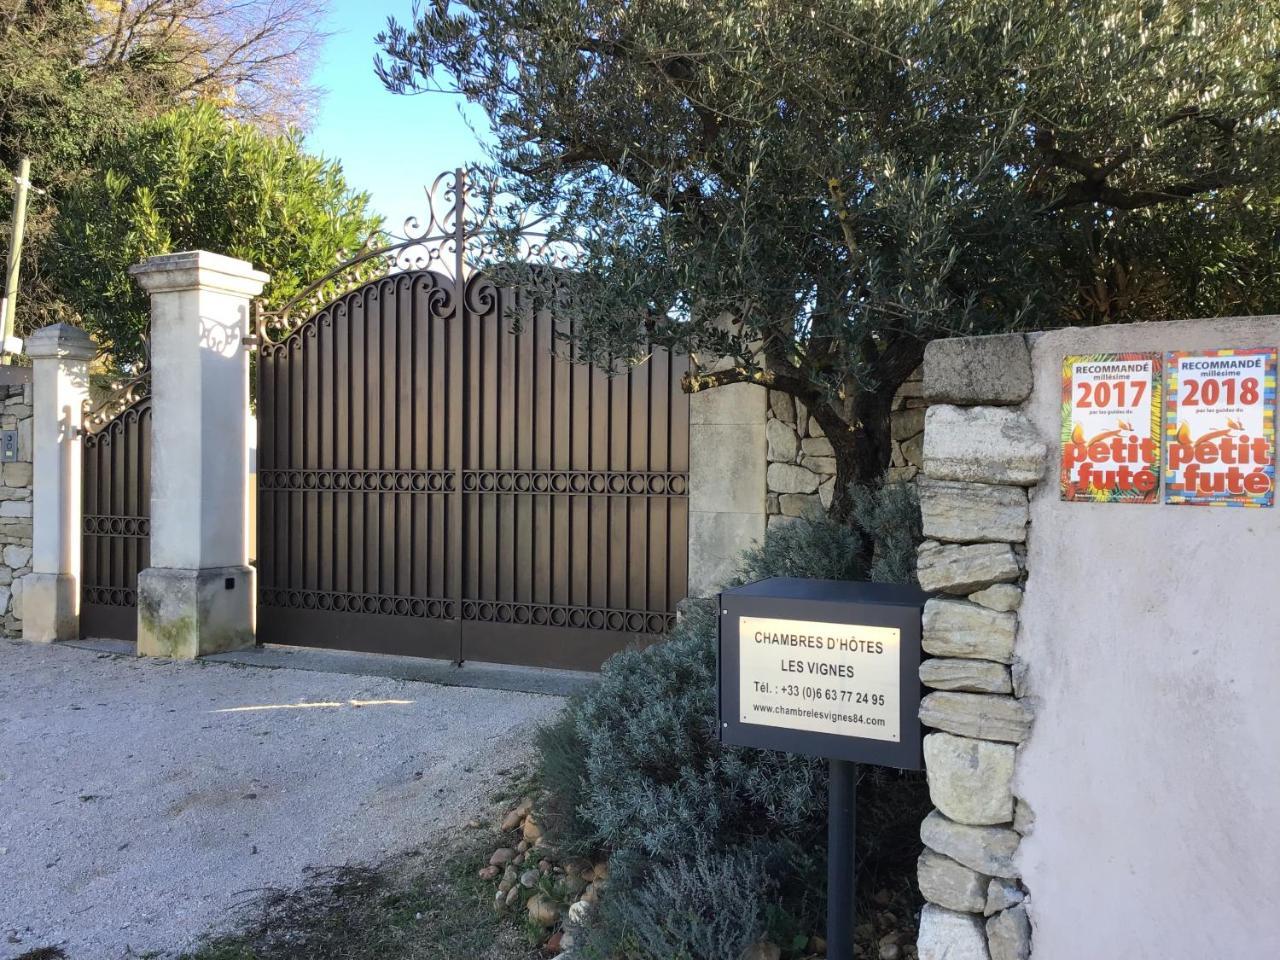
[(1151, 640)]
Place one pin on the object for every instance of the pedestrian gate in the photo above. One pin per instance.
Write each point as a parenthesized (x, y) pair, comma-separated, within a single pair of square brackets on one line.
[(116, 519), (435, 479)]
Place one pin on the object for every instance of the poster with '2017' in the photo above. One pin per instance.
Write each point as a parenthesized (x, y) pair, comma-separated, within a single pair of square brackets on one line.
[(1111, 428)]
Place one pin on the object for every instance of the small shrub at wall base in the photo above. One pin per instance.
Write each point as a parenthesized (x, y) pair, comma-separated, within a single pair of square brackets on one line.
[(713, 848)]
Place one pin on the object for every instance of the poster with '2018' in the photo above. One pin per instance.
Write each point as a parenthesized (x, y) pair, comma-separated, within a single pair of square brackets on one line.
[(1220, 428)]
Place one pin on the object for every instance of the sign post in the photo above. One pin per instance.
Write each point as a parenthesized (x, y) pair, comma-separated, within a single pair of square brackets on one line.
[(827, 668)]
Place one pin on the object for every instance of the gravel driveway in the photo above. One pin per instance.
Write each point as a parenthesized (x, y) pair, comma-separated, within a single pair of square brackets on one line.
[(142, 800)]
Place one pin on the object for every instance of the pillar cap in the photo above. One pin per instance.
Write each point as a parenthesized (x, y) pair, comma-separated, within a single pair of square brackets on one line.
[(61, 341), (198, 270)]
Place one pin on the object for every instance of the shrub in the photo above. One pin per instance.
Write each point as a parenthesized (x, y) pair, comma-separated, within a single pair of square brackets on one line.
[(711, 905), (815, 549), (562, 759), (711, 845), (889, 516)]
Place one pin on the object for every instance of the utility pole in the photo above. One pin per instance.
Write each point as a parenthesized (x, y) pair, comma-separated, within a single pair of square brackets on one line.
[(10, 302)]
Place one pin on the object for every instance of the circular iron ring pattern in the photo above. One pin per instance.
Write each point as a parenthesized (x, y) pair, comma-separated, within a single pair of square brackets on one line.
[(577, 483), (558, 615), (105, 525), (359, 481), (364, 603)]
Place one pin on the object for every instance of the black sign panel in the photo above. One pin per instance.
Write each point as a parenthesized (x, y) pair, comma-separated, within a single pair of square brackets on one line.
[(829, 668)]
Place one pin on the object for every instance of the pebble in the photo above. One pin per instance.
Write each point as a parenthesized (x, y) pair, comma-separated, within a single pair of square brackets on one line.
[(489, 873), (542, 910), (501, 856), (529, 878)]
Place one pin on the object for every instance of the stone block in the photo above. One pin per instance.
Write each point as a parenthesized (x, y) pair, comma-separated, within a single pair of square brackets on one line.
[(983, 445), (815, 428), (788, 478), (978, 370), (981, 715), (988, 850), (800, 505), (783, 406), (950, 884), (827, 492), (716, 543), (734, 403), (817, 447), (17, 556), (948, 935), (959, 512), (50, 607), (17, 474), (1004, 597), (823, 465), (975, 676), (970, 781), (1024, 819), (784, 445), (962, 568), (900, 474), (1001, 895), (1009, 934), (906, 423), (954, 628), (727, 467), (15, 508), (184, 614), (913, 450)]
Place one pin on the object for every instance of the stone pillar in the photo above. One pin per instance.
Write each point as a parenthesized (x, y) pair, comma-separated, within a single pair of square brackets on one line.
[(727, 493), (982, 454), (60, 354), (197, 597)]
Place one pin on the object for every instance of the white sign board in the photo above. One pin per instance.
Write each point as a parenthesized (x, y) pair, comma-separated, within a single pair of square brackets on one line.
[(835, 678)]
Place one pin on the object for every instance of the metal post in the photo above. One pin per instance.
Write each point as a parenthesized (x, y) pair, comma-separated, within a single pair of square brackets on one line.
[(15, 255), (842, 792)]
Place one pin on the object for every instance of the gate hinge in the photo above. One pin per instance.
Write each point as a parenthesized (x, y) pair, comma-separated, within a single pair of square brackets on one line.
[(249, 341)]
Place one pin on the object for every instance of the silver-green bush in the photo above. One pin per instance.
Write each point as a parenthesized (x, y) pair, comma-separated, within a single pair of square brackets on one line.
[(635, 770)]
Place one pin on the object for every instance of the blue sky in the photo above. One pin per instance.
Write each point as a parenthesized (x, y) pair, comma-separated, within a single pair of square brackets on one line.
[(389, 145)]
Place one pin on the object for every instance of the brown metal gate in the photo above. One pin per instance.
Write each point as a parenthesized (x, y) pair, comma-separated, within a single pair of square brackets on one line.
[(434, 481), (116, 523)]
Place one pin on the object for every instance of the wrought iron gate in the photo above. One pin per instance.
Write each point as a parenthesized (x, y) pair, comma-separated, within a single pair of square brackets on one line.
[(116, 523), (433, 480)]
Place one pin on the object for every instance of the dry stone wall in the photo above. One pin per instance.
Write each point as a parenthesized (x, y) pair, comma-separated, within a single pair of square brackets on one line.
[(980, 456), (802, 466), (15, 507)]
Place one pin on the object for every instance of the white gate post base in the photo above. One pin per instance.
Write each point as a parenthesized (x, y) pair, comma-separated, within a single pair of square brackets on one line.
[(60, 354), (198, 595), (50, 607), (183, 614)]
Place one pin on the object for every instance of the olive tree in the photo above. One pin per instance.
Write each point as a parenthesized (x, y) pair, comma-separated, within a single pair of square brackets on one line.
[(802, 195)]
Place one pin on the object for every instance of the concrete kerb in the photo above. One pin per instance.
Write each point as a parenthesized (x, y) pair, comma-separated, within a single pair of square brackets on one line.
[(480, 676)]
